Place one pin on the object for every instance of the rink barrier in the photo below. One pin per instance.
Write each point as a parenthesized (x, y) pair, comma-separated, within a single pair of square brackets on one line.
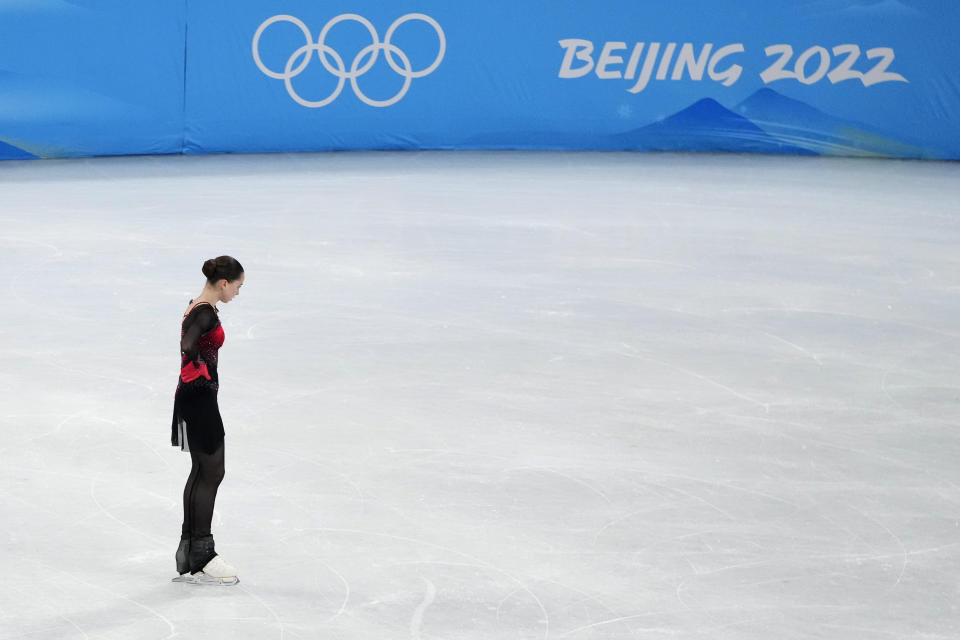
[(108, 77)]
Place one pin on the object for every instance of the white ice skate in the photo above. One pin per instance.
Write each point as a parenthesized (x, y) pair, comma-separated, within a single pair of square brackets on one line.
[(217, 571)]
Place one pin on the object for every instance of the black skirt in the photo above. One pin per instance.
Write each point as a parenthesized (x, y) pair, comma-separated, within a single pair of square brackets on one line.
[(196, 419)]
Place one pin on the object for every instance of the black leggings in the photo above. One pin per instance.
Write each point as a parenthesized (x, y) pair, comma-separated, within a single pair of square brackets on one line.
[(200, 492)]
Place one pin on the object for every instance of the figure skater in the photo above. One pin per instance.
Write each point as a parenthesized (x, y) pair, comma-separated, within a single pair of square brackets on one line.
[(197, 426)]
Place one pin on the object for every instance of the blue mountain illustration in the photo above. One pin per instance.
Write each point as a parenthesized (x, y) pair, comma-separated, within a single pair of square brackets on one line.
[(706, 125), (766, 122), (799, 124), (10, 152)]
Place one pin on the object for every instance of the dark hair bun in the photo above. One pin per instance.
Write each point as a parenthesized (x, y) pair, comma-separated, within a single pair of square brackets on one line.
[(222, 268), (210, 268)]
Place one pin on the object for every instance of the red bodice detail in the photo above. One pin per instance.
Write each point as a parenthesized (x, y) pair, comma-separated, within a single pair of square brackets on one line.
[(212, 339), (208, 348)]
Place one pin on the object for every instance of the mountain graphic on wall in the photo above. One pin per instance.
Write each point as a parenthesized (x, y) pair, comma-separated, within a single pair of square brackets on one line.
[(797, 123), (10, 152), (705, 125)]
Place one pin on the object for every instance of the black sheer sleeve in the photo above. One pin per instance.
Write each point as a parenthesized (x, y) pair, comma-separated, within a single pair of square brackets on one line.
[(202, 319)]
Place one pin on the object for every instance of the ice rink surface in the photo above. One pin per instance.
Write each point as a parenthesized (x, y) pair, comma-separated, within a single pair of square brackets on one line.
[(485, 396)]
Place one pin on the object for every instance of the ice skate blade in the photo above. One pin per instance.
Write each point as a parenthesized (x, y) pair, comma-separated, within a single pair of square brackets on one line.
[(202, 578), (186, 577)]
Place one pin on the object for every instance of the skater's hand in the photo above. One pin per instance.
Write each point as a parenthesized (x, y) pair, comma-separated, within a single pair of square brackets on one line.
[(193, 370)]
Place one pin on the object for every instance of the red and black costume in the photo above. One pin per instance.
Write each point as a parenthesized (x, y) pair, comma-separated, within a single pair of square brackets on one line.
[(196, 416), (198, 428)]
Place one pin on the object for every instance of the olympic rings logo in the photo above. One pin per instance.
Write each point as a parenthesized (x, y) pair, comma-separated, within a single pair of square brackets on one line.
[(358, 67)]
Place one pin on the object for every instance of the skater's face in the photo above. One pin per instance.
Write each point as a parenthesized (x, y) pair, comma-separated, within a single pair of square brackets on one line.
[(230, 290)]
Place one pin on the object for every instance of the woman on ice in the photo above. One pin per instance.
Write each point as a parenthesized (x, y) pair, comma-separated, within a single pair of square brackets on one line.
[(197, 427)]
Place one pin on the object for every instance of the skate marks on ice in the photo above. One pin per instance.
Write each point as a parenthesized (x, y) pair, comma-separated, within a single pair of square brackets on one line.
[(417, 621), (580, 396)]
